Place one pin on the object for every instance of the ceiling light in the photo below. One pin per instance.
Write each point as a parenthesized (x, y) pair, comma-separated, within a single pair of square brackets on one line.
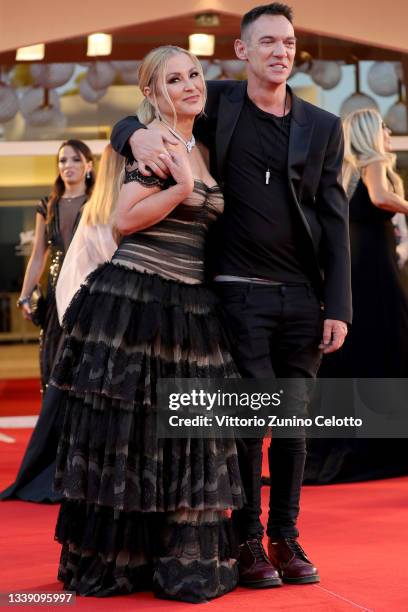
[(99, 44), (207, 20), (201, 44), (30, 54)]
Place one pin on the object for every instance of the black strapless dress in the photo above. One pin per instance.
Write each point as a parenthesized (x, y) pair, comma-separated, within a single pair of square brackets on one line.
[(376, 346)]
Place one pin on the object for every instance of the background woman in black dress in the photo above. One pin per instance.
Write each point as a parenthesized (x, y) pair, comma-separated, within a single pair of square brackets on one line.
[(56, 219), (377, 343)]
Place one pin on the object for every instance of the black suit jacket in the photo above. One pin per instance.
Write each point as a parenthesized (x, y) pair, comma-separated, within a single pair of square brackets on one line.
[(315, 160)]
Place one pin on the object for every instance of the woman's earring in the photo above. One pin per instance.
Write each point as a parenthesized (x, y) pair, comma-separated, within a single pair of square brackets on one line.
[(88, 175)]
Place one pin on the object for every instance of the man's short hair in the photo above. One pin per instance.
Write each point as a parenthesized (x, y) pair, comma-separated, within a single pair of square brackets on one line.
[(276, 8)]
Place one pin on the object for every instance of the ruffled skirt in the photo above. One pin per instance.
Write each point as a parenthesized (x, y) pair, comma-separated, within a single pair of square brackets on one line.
[(141, 512)]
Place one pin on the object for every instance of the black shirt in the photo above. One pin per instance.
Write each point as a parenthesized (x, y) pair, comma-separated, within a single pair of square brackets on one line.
[(258, 231)]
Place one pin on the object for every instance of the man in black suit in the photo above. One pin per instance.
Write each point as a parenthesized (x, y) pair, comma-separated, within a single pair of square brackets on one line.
[(283, 262)]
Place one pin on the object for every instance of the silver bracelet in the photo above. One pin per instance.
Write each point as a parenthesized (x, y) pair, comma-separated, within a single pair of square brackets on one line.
[(22, 300)]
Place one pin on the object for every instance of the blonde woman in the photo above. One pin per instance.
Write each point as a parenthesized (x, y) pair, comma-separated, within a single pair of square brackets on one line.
[(93, 242), (379, 337), (142, 512), (377, 344)]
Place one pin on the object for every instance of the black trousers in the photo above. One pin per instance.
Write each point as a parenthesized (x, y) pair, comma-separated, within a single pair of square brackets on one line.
[(275, 331)]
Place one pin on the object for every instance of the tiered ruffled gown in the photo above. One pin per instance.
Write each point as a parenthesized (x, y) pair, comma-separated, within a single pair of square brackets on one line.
[(141, 512)]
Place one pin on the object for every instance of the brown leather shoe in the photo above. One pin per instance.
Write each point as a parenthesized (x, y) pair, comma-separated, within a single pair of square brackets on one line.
[(255, 569), (289, 557)]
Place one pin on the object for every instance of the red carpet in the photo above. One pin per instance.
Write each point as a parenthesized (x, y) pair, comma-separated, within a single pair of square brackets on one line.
[(357, 534), (20, 397)]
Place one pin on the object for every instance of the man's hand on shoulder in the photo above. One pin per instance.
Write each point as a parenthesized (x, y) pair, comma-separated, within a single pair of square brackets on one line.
[(334, 334), (147, 147)]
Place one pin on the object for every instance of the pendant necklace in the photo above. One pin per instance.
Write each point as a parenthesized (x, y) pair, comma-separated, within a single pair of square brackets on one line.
[(189, 144), (281, 126)]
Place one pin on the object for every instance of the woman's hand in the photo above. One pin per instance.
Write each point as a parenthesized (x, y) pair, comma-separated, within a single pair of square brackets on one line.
[(147, 147), (140, 206), (26, 311), (402, 253), (180, 169)]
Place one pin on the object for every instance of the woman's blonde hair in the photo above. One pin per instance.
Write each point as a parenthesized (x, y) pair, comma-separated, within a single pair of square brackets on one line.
[(152, 74), (100, 206), (363, 145)]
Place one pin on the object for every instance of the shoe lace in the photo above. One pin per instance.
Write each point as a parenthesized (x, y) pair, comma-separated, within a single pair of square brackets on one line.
[(257, 549), (296, 549)]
